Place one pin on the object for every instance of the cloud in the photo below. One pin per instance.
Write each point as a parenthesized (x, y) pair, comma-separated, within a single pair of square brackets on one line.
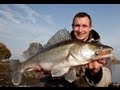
[(20, 13), (21, 20), (8, 14), (30, 14), (49, 20)]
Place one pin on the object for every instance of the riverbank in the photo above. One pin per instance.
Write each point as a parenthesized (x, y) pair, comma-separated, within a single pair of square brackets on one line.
[(29, 79)]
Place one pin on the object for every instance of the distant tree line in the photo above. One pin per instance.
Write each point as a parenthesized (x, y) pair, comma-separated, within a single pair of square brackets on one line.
[(4, 52)]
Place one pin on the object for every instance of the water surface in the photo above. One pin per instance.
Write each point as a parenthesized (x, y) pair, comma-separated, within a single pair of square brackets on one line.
[(115, 73)]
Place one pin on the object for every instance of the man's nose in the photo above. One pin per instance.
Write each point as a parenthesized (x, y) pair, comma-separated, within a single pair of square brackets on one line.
[(80, 28)]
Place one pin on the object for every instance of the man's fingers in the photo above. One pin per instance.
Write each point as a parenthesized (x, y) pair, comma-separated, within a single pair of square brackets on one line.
[(37, 68)]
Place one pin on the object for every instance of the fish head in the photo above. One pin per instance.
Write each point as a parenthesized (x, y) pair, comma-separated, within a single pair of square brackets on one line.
[(93, 51)]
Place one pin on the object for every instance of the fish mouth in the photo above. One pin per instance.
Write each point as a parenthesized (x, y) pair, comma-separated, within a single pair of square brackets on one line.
[(105, 52), (102, 54)]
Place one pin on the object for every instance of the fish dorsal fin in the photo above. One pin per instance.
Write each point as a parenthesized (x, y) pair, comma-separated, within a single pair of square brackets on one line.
[(33, 49), (59, 36)]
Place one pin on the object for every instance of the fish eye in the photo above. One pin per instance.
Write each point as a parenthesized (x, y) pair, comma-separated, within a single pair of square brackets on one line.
[(100, 47), (97, 53)]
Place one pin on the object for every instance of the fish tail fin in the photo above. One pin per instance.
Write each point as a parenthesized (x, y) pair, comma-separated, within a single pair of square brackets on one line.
[(16, 74)]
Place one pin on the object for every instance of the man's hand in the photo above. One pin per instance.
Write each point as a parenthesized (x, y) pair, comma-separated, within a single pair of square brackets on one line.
[(37, 68), (95, 66)]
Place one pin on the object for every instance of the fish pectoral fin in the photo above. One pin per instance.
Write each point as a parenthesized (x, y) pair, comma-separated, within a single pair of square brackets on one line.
[(56, 72), (70, 75)]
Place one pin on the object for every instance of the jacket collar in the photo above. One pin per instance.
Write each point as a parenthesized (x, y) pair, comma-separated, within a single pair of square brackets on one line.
[(93, 37)]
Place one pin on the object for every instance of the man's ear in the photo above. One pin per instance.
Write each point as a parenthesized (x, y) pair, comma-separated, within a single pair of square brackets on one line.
[(90, 29), (72, 25)]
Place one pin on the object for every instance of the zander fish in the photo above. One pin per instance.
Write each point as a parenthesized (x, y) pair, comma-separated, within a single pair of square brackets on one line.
[(59, 55)]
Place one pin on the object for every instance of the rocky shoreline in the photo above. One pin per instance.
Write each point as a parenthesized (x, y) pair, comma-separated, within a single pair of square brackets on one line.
[(30, 78)]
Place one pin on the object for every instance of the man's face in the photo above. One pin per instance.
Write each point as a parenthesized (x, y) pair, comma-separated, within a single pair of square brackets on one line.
[(82, 28)]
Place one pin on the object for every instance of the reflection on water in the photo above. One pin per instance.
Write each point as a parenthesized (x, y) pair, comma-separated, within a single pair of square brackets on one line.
[(115, 72)]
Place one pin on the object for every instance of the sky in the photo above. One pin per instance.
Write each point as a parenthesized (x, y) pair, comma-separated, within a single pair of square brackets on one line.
[(22, 24)]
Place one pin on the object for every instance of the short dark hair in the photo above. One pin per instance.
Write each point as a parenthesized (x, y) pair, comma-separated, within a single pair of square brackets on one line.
[(82, 14)]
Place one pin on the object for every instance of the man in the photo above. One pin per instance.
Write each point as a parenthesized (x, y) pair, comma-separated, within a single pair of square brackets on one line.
[(94, 73)]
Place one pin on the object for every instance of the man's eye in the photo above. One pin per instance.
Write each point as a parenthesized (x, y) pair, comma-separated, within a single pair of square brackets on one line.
[(85, 26), (76, 25)]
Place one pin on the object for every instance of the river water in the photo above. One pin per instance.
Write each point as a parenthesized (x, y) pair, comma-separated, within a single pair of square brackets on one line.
[(115, 72)]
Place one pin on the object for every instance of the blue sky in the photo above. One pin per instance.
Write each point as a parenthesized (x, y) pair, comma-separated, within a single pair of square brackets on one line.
[(22, 24)]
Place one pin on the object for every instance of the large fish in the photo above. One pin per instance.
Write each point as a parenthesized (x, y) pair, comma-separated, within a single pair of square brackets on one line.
[(60, 56)]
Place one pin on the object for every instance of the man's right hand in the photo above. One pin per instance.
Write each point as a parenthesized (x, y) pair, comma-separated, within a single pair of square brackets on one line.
[(95, 66), (37, 68)]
